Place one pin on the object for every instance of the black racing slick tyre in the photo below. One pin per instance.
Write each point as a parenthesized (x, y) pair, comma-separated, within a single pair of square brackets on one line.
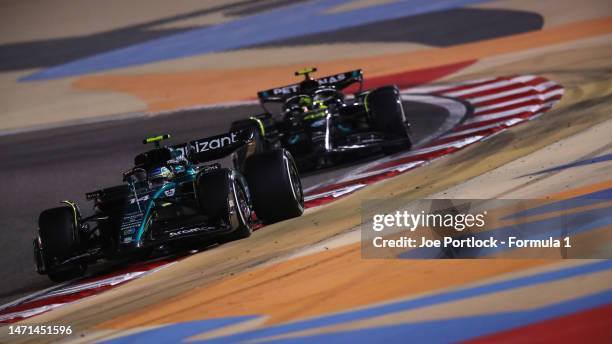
[(387, 115), (275, 186), (59, 237), (222, 198)]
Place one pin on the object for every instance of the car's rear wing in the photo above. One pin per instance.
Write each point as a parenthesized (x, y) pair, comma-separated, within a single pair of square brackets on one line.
[(219, 146), (338, 81)]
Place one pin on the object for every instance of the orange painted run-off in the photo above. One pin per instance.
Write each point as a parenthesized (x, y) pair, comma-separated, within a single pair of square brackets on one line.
[(582, 190), (337, 280), (183, 89)]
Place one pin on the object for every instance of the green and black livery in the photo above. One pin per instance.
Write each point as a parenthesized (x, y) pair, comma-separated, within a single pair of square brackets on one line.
[(174, 197), (320, 125)]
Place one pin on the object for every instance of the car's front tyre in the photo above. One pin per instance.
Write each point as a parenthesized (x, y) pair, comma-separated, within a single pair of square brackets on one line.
[(275, 186), (222, 199), (387, 114), (59, 240)]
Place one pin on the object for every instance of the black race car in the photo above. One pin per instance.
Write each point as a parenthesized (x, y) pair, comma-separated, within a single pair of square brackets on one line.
[(173, 197), (319, 125)]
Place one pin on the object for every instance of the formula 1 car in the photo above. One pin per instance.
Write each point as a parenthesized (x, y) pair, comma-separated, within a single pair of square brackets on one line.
[(316, 122), (173, 197)]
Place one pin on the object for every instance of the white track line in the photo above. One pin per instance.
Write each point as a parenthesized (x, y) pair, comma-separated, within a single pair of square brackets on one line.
[(455, 144), (30, 312), (399, 168), (441, 88), (510, 122), (351, 188), (111, 281), (487, 87), (502, 114), (543, 96), (535, 88), (32, 296), (508, 113), (223, 105), (114, 280), (493, 96), (336, 192), (457, 112)]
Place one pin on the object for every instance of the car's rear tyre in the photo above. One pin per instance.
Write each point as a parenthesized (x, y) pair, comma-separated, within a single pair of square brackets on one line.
[(275, 186), (387, 115), (59, 237), (221, 198)]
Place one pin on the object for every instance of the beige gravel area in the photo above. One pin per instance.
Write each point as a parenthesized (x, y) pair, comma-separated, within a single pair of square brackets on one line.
[(358, 4), (555, 12), (30, 20), (512, 181), (54, 102)]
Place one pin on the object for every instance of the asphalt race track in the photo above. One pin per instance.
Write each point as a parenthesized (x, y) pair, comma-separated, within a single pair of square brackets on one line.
[(41, 168)]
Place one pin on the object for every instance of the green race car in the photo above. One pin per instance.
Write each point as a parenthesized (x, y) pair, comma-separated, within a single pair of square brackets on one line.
[(174, 196)]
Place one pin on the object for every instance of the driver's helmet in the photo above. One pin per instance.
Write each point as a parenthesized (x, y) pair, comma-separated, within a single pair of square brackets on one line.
[(308, 86), (328, 96), (159, 175), (305, 103)]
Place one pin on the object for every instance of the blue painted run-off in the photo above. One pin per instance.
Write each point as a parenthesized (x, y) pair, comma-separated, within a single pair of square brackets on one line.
[(282, 23), (437, 331), (178, 331), (556, 227), (453, 330), (566, 204), (603, 158)]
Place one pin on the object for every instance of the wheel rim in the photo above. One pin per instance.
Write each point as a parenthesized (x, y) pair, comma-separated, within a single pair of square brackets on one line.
[(243, 206), (239, 207), (294, 180)]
